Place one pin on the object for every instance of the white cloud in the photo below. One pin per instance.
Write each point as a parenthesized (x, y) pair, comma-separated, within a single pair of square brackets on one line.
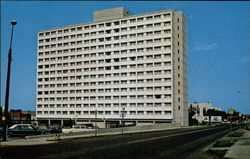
[(205, 47), (245, 60)]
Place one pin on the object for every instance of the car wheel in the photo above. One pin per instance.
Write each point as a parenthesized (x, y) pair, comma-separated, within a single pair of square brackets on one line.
[(10, 134)]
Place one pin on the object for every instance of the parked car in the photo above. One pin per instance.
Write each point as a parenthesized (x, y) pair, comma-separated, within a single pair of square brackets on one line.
[(26, 130), (55, 130), (248, 127), (77, 128)]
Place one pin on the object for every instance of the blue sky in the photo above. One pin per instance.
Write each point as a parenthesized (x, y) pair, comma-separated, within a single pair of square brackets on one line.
[(218, 34)]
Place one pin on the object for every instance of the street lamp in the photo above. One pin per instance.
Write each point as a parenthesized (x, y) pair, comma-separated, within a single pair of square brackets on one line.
[(95, 123), (4, 118), (123, 108), (231, 112), (76, 119)]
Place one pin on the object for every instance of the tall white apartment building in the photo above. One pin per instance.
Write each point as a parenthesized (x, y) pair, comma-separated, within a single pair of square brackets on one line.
[(120, 63)]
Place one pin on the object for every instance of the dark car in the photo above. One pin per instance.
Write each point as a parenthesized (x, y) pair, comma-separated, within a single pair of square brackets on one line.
[(25, 130), (55, 130)]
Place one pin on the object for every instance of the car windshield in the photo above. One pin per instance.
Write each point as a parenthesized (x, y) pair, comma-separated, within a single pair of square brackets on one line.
[(33, 127), (23, 127), (12, 127)]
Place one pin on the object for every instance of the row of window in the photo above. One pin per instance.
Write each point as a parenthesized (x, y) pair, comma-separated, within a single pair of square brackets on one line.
[(107, 90), (105, 105), (131, 43), (113, 44), (123, 74), (107, 24), (106, 53), (101, 83), (139, 81), (104, 112), (102, 32), (149, 96), (100, 61), (102, 40), (92, 69), (117, 67)]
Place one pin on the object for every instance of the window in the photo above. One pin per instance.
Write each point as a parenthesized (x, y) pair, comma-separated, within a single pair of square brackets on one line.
[(65, 112), (116, 112), (168, 31), (101, 25), (116, 30), (158, 112), (140, 112), (133, 28), (157, 24), (157, 32), (124, 22), (108, 24), (157, 17), (140, 73), (93, 26), (167, 15), (132, 35), (167, 23), (108, 31), (116, 23), (140, 34), (124, 37), (132, 112), (139, 19), (149, 26), (132, 20), (140, 58), (140, 27), (149, 18)]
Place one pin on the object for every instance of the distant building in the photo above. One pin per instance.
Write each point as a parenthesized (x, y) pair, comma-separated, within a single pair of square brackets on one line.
[(32, 115), (201, 112), (19, 117), (118, 64)]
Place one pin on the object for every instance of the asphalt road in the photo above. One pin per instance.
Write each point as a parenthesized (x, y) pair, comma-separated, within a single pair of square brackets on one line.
[(171, 144)]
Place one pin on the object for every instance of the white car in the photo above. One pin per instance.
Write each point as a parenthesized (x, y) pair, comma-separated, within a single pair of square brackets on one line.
[(77, 128)]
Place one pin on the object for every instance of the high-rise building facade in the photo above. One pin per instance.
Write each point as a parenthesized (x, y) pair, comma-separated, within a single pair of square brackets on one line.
[(118, 66)]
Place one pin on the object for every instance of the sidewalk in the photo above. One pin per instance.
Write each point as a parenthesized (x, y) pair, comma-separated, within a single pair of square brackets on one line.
[(241, 149), (49, 139)]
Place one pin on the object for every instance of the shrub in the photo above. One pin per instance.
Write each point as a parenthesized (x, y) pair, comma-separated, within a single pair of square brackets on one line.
[(236, 134), (219, 153), (223, 143)]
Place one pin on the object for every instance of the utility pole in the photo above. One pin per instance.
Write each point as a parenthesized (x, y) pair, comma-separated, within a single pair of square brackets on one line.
[(123, 108), (95, 123), (6, 106)]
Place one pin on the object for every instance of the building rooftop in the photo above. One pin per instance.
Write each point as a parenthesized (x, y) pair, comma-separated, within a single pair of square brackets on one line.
[(110, 14), (99, 16)]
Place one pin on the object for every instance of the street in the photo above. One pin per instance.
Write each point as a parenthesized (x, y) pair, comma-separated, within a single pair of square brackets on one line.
[(180, 143)]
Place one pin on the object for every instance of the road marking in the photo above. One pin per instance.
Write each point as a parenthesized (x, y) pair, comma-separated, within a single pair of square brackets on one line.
[(167, 136)]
